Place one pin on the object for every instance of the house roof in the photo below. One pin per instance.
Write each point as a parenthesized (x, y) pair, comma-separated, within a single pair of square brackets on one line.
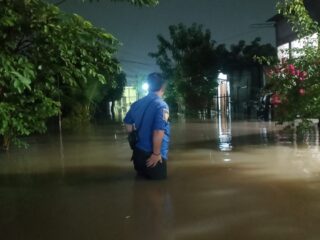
[(276, 18), (312, 6)]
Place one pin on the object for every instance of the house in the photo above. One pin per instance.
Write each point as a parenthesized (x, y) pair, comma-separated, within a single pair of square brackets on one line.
[(286, 39)]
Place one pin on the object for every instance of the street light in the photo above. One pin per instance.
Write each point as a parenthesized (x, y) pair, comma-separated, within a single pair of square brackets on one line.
[(222, 76), (145, 87)]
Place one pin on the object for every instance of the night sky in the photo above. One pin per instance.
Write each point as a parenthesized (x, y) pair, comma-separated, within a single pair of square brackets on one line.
[(137, 28)]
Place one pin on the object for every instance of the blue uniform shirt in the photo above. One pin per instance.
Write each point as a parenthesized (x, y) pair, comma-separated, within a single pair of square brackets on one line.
[(155, 118)]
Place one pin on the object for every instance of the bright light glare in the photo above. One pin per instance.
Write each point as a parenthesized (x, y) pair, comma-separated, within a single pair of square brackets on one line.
[(222, 76), (145, 86)]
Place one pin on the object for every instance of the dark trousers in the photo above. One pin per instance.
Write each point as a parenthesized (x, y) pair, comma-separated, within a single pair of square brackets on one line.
[(140, 158)]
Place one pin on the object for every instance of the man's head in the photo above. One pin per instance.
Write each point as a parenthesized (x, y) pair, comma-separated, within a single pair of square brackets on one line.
[(156, 82)]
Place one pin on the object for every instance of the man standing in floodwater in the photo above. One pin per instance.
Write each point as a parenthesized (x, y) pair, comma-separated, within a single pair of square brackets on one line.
[(149, 117)]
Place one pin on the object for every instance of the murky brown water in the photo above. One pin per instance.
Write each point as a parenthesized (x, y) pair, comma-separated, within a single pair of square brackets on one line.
[(245, 182)]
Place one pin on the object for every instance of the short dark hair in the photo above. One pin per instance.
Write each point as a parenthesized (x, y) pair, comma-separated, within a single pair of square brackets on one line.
[(156, 81)]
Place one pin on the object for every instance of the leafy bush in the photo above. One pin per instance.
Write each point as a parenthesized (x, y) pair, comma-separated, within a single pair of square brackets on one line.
[(42, 52)]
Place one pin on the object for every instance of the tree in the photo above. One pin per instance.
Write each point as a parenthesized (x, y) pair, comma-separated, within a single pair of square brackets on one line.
[(298, 16), (110, 93), (295, 81), (43, 50), (190, 60), (243, 56), (83, 103), (296, 87), (115, 90)]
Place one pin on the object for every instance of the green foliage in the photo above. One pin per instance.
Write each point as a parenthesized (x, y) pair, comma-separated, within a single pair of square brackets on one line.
[(110, 92), (113, 89), (243, 56), (190, 60), (296, 81), (42, 52), (82, 103), (305, 127), (298, 17)]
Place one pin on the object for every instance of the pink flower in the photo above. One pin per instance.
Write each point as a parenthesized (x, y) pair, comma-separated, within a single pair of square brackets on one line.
[(298, 72), (302, 91), (292, 69), (303, 75), (276, 99)]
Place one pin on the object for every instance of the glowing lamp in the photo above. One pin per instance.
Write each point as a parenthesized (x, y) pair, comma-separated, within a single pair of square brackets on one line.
[(145, 87)]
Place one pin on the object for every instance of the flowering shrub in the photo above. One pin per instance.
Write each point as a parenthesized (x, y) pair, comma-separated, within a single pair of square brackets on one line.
[(296, 87)]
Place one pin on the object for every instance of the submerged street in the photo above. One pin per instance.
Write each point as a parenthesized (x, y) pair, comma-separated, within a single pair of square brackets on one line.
[(239, 180), (202, 84)]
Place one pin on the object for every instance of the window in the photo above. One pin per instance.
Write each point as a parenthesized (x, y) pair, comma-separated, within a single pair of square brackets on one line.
[(283, 51), (297, 45)]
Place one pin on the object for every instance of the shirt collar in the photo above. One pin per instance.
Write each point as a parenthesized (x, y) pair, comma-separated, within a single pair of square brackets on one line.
[(153, 95)]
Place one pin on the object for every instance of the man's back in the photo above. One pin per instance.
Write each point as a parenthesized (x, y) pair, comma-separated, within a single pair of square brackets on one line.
[(149, 116)]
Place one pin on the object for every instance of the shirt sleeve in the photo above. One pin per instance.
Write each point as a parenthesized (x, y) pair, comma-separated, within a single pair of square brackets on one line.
[(161, 118), (129, 118)]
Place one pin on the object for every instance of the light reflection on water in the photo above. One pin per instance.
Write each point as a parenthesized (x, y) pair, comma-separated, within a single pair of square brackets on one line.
[(107, 144), (225, 132), (227, 180), (197, 141)]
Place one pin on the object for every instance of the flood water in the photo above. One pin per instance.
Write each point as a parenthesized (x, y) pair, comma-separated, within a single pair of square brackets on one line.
[(240, 180)]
